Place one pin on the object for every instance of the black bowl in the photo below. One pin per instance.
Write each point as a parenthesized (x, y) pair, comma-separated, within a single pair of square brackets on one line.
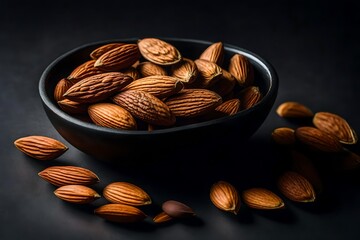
[(138, 146)]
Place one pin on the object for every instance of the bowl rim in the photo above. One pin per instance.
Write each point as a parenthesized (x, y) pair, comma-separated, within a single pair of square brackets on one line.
[(266, 65)]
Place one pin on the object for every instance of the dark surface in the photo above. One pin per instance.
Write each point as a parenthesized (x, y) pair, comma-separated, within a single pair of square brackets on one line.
[(314, 47)]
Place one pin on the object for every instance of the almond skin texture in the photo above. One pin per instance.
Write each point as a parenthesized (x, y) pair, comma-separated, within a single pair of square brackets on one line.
[(336, 125), (146, 107), (148, 69), (318, 140), (293, 110), (157, 85), (40, 147), (61, 87), (214, 53), (98, 87), (162, 218), (209, 73), (249, 97), (284, 136), (296, 187), (78, 194), (177, 209), (120, 213), (229, 107), (112, 116), (193, 102), (95, 54), (126, 193), (241, 68), (186, 71), (158, 51), (118, 58), (225, 197), (84, 70), (68, 175), (261, 198), (72, 107)]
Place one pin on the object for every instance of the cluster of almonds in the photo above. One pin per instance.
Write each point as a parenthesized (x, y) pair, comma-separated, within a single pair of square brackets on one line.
[(149, 84)]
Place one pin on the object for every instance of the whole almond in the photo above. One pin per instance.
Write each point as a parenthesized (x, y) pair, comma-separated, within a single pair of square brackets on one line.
[(120, 213), (97, 87), (40, 147), (68, 175), (126, 193), (76, 194), (336, 125), (262, 198), (249, 96), (72, 107), (112, 116), (296, 187), (177, 209), (61, 87), (185, 70), (209, 73), (148, 69), (241, 68), (193, 102), (284, 136), (229, 107), (158, 51), (157, 85), (225, 197), (318, 140), (146, 107), (162, 217), (95, 54), (214, 53), (84, 70), (118, 58), (225, 84), (292, 109)]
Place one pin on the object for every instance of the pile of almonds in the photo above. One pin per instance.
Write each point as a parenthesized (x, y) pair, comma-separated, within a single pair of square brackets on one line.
[(150, 84)]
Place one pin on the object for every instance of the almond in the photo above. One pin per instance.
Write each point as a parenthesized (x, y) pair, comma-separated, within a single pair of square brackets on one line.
[(84, 70), (318, 140), (40, 147), (157, 85), (118, 58), (284, 136), (72, 107), (112, 116), (162, 217), (177, 209), (120, 213), (296, 187), (209, 73), (229, 107), (158, 51), (148, 69), (68, 175), (185, 70), (214, 53), (61, 87), (261, 198), (95, 54), (292, 109), (225, 197), (126, 193), (146, 107), (241, 68), (336, 125), (98, 87), (76, 194), (250, 96), (193, 102)]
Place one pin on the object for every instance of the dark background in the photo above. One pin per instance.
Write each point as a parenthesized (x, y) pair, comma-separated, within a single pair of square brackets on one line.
[(313, 45)]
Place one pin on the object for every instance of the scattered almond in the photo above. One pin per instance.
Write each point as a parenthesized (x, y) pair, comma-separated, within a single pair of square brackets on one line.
[(78, 194), (120, 213), (293, 110), (225, 197), (261, 198), (126, 193)]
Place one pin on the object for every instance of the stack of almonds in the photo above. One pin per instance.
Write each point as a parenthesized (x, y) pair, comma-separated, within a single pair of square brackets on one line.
[(149, 85), (327, 134)]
